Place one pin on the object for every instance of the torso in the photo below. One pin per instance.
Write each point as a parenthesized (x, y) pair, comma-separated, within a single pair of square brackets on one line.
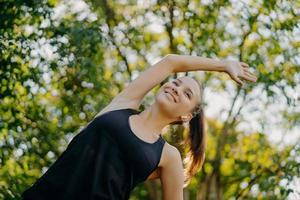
[(156, 173)]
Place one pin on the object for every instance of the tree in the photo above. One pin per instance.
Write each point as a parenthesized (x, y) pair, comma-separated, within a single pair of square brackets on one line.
[(60, 64)]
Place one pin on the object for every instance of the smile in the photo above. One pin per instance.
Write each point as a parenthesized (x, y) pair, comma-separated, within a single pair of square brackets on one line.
[(167, 92)]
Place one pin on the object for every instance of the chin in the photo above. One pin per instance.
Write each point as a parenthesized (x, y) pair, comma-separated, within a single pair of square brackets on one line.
[(165, 104)]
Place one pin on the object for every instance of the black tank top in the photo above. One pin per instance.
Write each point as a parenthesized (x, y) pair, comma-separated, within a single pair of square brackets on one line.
[(105, 161)]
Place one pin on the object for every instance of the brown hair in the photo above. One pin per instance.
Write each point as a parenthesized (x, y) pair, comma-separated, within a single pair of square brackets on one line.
[(196, 141)]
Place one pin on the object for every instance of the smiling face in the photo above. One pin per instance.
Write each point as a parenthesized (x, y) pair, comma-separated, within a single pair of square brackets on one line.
[(179, 97)]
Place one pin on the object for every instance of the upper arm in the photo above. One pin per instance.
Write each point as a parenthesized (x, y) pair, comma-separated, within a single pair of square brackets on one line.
[(172, 177), (135, 91)]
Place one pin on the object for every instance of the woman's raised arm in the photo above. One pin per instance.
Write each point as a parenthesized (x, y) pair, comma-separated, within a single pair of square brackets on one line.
[(134, 93), (235, 69)]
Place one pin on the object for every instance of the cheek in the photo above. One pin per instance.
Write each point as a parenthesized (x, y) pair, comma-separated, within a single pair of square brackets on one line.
[(161, 97), (185, 100), (187, 104)]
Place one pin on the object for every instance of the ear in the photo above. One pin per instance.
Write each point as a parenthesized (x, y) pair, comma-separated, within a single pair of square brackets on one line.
[(186, 117)]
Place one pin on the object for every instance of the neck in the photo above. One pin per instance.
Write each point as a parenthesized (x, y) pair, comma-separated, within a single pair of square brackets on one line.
[(154, 120)]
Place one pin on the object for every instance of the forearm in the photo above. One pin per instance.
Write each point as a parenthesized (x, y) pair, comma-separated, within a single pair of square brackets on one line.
[(184, 63)]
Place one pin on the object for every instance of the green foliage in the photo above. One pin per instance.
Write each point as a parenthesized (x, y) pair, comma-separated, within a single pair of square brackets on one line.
[(59, 67)]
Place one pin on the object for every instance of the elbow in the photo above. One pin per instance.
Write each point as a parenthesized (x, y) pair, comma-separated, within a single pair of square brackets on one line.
[(170, 56), (171, 60)]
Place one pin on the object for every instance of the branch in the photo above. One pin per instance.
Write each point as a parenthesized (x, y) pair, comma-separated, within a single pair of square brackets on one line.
[(109, 12)]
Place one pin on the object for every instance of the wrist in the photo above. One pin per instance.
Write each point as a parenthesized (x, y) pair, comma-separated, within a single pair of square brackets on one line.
[(222, 66)]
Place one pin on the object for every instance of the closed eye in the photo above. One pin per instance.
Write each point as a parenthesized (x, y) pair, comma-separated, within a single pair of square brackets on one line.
[(175, 83), (187, 94)]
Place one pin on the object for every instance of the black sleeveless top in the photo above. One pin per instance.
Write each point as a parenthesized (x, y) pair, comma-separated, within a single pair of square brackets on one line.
[(104, 161)]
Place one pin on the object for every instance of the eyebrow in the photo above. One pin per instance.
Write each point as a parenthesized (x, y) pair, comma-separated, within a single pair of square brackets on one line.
[(187, 88)]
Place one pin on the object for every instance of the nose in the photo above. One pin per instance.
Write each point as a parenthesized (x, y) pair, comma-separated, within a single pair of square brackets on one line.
[(175, 91)]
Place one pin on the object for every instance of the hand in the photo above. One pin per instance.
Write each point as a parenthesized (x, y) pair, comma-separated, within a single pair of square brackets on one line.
[(237, 69)]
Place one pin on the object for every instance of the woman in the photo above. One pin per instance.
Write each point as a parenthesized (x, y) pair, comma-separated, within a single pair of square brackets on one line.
[(122, 147)]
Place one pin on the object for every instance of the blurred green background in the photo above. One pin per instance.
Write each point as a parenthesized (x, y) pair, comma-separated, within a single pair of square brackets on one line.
[(62, 61)]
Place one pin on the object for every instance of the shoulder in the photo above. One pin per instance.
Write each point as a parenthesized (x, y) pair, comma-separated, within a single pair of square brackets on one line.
[(172, 173), (114, 105), (170, 155)]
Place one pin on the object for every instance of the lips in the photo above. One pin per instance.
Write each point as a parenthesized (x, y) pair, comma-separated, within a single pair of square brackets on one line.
[(174, 98)]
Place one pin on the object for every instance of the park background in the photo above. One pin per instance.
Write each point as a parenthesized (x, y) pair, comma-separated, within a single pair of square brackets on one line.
[(62, 61)]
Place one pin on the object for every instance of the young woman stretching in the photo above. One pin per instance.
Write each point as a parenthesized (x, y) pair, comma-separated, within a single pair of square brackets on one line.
[(122, 147)]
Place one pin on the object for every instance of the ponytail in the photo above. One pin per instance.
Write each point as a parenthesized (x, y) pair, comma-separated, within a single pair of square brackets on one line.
[(196, 143), (196, 140)]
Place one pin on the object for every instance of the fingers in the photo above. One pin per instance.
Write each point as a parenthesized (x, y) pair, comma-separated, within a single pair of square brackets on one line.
[(246, 74), (251, 76), (239, 81), (248, 78), (244, 64)]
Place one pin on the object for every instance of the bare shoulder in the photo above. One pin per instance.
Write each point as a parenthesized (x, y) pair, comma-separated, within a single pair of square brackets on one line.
[(116, 105), (170, 154), (172, 173)]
